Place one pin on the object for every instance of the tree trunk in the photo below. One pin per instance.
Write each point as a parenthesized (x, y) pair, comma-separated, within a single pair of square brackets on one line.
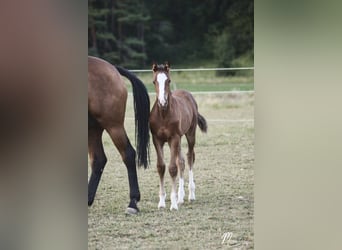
[(93, 37), (113, 18), (143, 40), (120, 40)]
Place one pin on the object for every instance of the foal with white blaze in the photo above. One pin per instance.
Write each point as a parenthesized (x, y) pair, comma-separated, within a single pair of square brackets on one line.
[(173, 115)]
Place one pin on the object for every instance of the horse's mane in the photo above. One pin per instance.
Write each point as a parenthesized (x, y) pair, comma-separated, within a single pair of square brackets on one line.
[(161, 67)]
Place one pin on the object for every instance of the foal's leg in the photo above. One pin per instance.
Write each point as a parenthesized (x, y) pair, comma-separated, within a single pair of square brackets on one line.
[(191, 138), (181, 167), (127, 152), (97, 160), (174, 144), (161, 170)]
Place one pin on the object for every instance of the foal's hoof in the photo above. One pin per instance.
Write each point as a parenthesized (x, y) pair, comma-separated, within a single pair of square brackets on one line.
[(132, 211), (173, 201), (161, 205), (180, 197), (173, 208), (192, 198), (180, 201)]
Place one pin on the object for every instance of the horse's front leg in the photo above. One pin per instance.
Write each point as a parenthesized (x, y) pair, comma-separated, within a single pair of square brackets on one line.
[(161, 170), (175, 150)]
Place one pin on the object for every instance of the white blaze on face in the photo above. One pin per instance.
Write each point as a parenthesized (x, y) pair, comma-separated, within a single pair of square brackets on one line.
[(161, 79)]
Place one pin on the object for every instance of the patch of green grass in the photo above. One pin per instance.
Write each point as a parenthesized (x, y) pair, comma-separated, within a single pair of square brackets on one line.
[(200, 81)]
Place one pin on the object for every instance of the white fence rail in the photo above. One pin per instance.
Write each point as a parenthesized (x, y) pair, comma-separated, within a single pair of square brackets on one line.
[(198, 69), (174, 87)]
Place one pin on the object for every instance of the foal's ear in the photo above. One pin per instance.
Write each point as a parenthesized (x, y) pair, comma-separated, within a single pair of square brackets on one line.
[(167, 66), (154, 67)]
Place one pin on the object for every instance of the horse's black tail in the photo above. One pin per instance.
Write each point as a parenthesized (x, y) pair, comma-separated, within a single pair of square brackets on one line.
[(142, 114), (202, 123)]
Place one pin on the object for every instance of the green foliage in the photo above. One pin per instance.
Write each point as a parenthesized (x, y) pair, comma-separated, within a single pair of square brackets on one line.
[(134, 33), (245, 60), (223, 49)]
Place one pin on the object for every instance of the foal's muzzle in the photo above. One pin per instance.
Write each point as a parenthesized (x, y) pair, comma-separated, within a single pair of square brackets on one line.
[(164, 102), (163, 106)]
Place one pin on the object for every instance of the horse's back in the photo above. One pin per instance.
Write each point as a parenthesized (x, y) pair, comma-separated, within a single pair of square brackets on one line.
[(187, 108), (186, 98), (102, 74), (107, 92)]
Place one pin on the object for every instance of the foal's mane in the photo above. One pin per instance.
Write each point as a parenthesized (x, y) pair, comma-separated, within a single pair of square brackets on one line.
[(161, 67)]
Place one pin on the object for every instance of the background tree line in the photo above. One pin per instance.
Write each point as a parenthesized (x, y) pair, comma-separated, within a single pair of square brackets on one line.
[(134, 33)]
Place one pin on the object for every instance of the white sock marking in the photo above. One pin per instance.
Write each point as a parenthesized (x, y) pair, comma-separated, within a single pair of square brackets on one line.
[(181, 192), (161, 203), (192, 186), (173, 201)]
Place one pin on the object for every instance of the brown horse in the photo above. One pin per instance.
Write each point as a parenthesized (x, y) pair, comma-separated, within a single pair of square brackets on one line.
[(173, 115), (107, 95)]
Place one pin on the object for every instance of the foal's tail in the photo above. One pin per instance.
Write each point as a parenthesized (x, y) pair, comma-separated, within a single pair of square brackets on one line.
[(202, 123), (142, 114)]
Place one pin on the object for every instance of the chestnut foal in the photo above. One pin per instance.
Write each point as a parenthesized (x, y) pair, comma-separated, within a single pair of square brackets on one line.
[(173, 115)]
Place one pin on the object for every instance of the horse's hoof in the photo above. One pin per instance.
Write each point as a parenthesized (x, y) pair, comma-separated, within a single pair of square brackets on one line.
[(175, 207), (192, 199), (161, 206), (192, 196), (173, 201), (132, 207), (161, 203), (180, 198), (131, 211)]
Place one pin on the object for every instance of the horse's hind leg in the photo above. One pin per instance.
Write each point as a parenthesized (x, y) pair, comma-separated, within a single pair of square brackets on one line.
[(181, 167), (191, 138), (98, 161), (161, 170), (127, 152)]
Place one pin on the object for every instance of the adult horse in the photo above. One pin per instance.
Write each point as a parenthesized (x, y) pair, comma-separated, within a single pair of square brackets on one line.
[(173, 115), (107, 95)]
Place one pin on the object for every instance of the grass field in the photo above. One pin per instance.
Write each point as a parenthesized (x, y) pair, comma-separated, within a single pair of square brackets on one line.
[(223, 174), (204, 81)]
